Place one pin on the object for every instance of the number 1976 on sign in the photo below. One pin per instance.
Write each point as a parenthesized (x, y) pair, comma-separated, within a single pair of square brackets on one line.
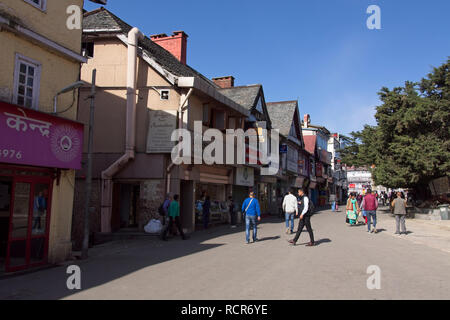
[(10, 154)]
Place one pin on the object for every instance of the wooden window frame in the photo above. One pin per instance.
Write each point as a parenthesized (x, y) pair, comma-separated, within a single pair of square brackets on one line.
[(21, 59), (41, 6)]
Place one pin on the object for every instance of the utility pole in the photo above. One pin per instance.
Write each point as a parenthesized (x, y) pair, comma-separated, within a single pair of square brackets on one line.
[(84, 252)]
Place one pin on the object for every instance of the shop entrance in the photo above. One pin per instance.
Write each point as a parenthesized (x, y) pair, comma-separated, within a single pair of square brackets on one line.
[(25, 202), (125, 206)]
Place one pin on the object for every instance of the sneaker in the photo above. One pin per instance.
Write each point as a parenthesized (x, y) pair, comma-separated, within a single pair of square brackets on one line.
[(248, 242), (255, 240), (397, 233)]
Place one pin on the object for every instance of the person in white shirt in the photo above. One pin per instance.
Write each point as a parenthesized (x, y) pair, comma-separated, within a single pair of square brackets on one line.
[(290, 207), (305, 220)]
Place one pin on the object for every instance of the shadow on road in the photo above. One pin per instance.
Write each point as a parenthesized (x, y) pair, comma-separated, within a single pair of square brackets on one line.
[(118, 259), (318, 242), (269, 238)]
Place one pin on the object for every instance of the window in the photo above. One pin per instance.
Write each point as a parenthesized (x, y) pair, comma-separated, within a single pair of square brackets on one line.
[(26, 82), (40, 4), (164, 94), (206, 114), (87, 48), (219, 119)]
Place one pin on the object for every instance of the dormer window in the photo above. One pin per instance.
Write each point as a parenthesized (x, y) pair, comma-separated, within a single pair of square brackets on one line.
[(164, 94)]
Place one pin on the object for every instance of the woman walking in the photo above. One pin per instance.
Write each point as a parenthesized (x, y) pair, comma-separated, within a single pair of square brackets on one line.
[(352, 209)]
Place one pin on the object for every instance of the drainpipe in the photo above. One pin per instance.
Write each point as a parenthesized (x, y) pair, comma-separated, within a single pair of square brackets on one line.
[(106, 210), (181, 109)]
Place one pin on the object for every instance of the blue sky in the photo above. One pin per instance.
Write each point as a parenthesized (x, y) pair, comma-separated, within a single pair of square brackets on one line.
[(319, 52)]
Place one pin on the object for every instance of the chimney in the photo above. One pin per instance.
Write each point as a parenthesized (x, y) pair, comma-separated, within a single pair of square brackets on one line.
[(306, 120), (175, 44), (224, 82)]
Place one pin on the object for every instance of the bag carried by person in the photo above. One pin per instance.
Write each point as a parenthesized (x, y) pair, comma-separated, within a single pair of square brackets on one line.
[(312, 208), (248, 206)]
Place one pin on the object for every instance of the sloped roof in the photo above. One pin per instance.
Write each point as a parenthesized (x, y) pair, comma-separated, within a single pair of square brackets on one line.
[(104, 21), (310, 143), (282, 114), (246, 96)]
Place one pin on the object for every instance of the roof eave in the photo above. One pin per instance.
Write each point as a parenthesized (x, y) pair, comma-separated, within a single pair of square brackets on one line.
[(196, 83)]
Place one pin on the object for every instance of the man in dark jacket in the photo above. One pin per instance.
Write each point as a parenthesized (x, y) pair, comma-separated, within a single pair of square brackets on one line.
[(305, 219)]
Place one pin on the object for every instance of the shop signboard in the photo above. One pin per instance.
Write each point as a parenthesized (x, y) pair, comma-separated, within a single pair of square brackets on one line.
[(161, 126), (30, 137), (245, 176), (319, 170)]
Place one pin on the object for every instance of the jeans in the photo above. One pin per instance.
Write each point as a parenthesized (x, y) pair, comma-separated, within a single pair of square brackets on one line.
[(249, 222), (400, 222), (290, 217), (333, 206), (371, 215)]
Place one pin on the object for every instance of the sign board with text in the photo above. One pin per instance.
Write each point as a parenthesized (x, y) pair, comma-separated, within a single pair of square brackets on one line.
[(161, 125), (30, 137)]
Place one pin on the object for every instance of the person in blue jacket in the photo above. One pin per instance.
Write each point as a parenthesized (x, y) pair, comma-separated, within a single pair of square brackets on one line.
[(251, 209)]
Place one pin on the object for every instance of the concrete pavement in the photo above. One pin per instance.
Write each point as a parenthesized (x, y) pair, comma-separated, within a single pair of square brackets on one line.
[(217, 264)]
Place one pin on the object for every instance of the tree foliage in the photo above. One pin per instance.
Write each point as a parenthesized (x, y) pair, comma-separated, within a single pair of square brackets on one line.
[(410, 145)]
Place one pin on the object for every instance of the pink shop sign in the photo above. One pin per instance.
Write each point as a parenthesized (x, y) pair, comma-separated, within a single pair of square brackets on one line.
[(29, 137)]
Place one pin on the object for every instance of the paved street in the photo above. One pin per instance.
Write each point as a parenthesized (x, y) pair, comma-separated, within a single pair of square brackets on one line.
[(217, 264)]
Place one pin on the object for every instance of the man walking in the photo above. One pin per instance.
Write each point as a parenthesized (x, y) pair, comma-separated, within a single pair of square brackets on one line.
[(290, 208), (251, 209), (370, 206), (399, 206), (174, 216), (305, 220)]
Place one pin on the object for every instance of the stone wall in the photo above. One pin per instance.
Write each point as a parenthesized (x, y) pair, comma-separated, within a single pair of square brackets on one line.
[(150, 198)]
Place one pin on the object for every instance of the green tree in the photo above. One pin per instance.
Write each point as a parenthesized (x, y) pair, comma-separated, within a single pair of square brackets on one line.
[(410, 145)]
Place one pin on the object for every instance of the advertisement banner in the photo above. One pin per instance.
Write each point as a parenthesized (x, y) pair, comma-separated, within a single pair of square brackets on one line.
[(30, 137)]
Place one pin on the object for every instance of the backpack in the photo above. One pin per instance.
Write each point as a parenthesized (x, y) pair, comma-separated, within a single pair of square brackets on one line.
[(311, 207), (161, 210)]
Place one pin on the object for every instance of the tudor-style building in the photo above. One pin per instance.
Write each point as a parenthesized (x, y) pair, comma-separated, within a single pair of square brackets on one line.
[(294, 171), (316, 143), (251, 98)]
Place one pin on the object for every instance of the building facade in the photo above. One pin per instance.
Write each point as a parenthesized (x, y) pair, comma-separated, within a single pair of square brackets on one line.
[(40, 142)]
